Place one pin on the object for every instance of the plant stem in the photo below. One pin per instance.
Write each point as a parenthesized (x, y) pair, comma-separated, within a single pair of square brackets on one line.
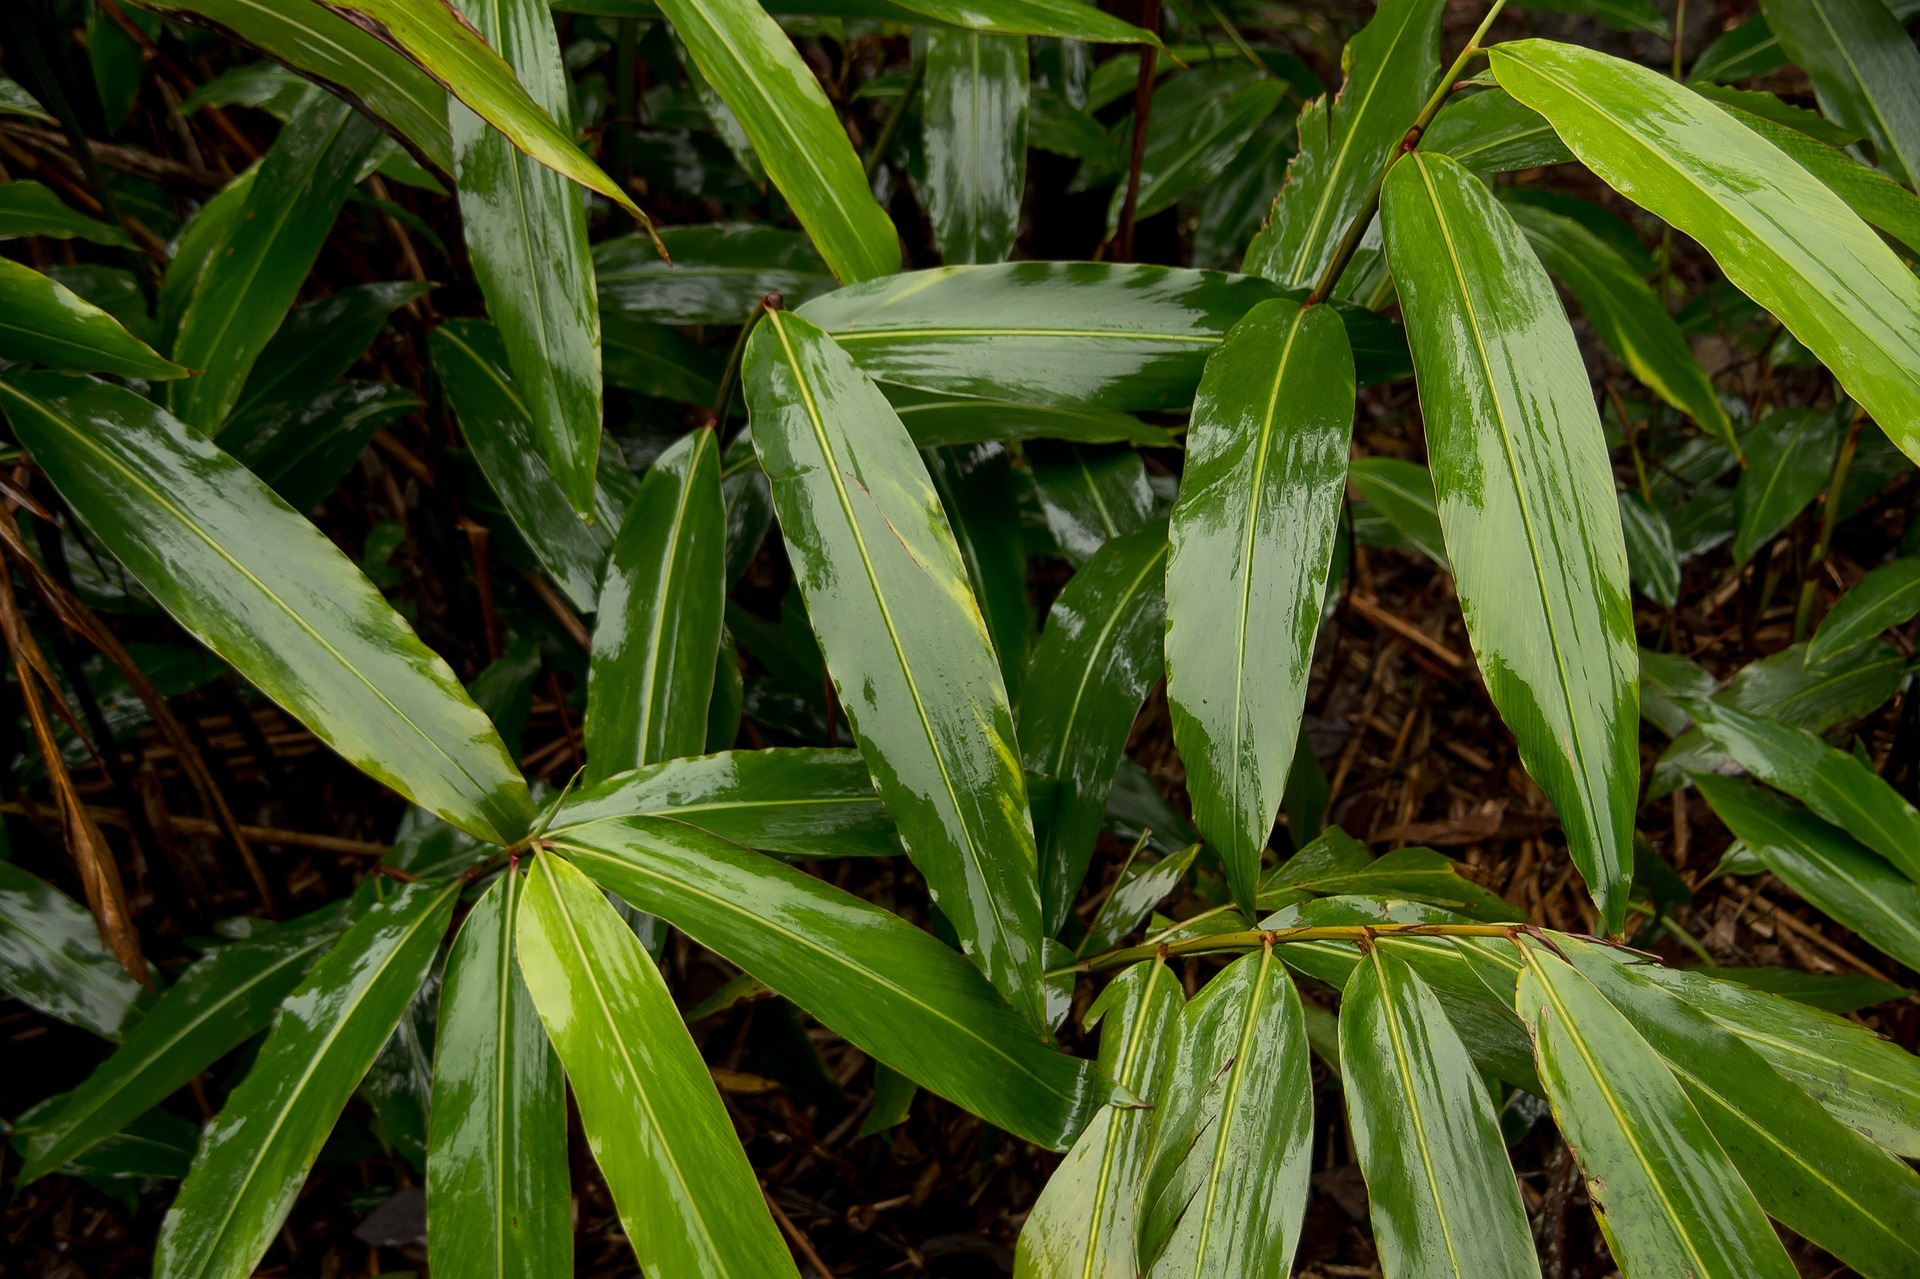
[(1357, 229), (1142, 107), (1217, 942), (1829, 516)]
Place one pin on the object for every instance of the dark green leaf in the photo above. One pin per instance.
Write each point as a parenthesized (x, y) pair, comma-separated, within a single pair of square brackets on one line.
[(1491, 133), (938, 420), (1835, 992), (1863, 66), (1651, 557), (1136, 893), (655, 360), (1887, 597), (1191, 148), (974, 114), (52, 959), (42, 322), (318, 343), (304, 448), (1403, 494), (975, 486), (31, 208), (718, 275), (1789, 457), (1089, 496), (1747, 51)]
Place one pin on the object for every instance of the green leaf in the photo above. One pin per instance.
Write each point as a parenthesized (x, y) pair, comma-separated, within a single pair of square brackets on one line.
[(976, 490), (1835, 992), (42, 322), (1863, 66), (497, 1183), (256, 1153), (1390, 66), (31, 208), (657, 634), (1137, 892), (1252, 538), (1233, 1136), (1527, 500), (974, 119), (1089, 496), (1887, 597), (1489, 132), (903, 638), (316, 345), (1405, 874), (896, 992), (1083, 1225), (526, 232), (1816, 1176), (1621, 15), (206, 232), (719, 273), (1831, 782), (1669, 1201), (742, 52), (1789, 457), (303, 451), (331, 50), (658, 361), (937, 421), (1444, 1198), (1748, 104), (1097, 659), (1877, 198), (1067, 19), (1748, 51), (797, 801), (658, 1129), (219, 1003), (1403, 494), (1625, 315), (52, 959), (1651, 557), (471, 361), (268, 593), (1678, 156), (1192, 148), (1823, 864), (252, 277)]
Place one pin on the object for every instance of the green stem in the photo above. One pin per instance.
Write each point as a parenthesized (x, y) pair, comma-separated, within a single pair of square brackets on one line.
[(1829, 516), (1216, 943)]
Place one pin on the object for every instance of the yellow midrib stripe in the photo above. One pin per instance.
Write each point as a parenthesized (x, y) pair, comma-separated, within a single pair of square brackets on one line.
[(1404, 1068), (649, 670), (1107, 628), (1239, 1071), (1129, 1059)]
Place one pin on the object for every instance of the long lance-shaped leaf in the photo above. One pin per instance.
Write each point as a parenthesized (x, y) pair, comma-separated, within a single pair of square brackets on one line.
[(1445, 1202), (251, 280), (497, 1187), (327, 48), (1831, 782), (904, 640), (256, 1153), (217, 1004), (657, 1127), (1669, 1200), (1887, 597), (1877, 198), (1626, 315), (51, 958), (752, 64), (1097, 659), (1527, 501), (718, 273), (893, 990), (657, 635), (1823, 864), (974, 114), (800, 801), (1864, 67), (1232, 1137), (1491, 133), (1781, 236), (1252, 537), (271, 595), (1818, 1177), (44, 322), (976, 489), (526, 230), (1390, 69), (1083, 1225)]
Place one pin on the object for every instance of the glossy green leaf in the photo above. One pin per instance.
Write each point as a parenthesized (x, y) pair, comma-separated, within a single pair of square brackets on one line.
[(1068, 19), (658, 1129), (1625, 315), (252, 278), (218, 1003), (1877, 198), (1098, 657), (1863, 65), (1821, 1179), (1621, 15), (497, 1183), (42, 322), (1823, 864), (1405, 874), (1192, 148), (304, 450), (256, 1153), (526, 232), (329, 49), (267, 592), (317, 344), (1084, 1223), (1390, 66), (1088, 496), (31, 208), (1133, 895), (1680, 157), (909, 654), (470, 359), (752, 64), (1403, 494), (52, 959), (1491, 133), (798, 801), (1651, 557), (1789, 457), (1527, 500), (1233, 1136), (1887, 597), (974, 120), (1444, 1198), (1749, 103), (935, 421), (206, 232), (1748, 50), (1252, 539), (658, 361), (1834, 992), (718, 275), (1669, 1200), (657, 633), (1833, 783), (976, 489)]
